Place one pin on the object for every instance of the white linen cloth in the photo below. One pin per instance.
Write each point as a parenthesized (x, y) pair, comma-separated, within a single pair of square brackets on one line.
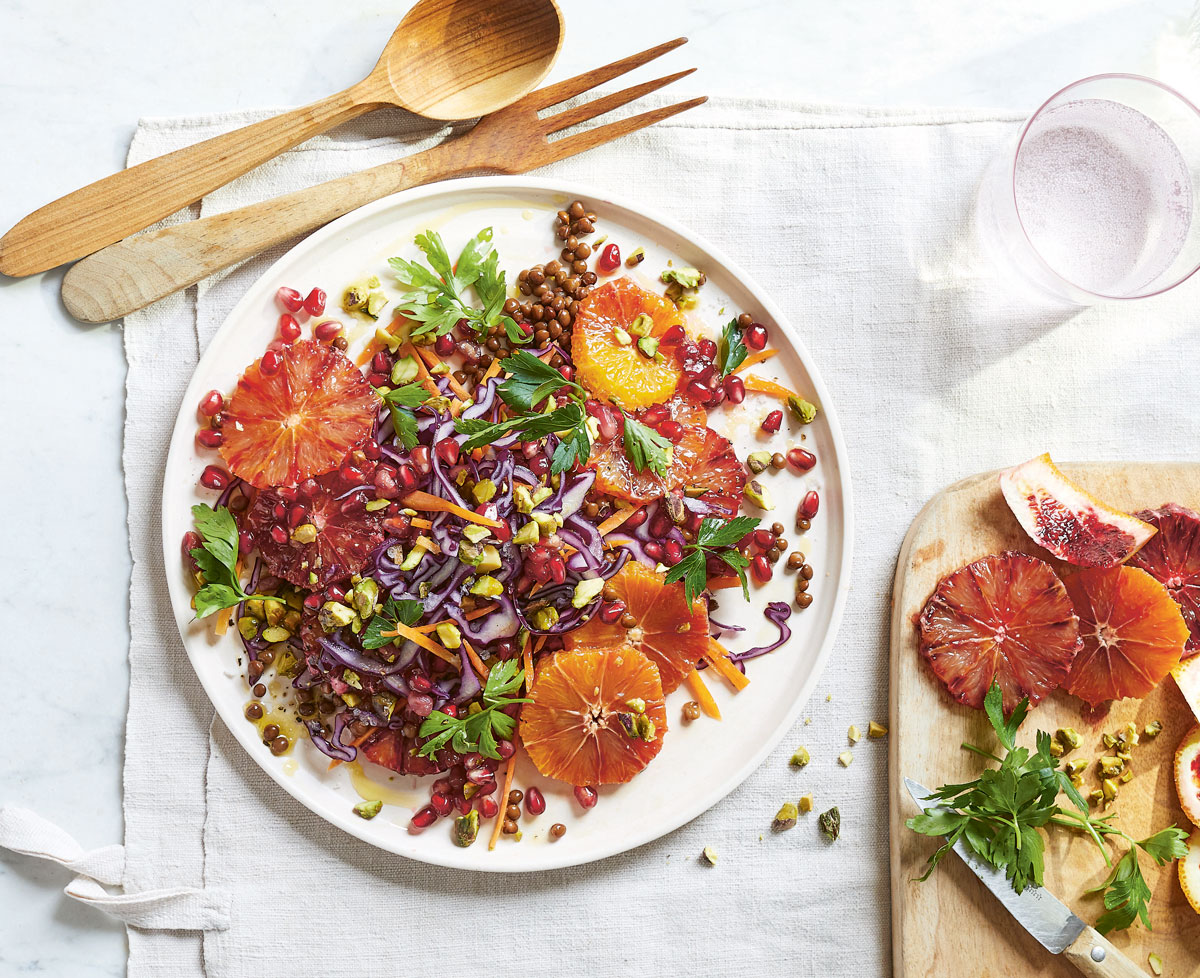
[(858, 223)]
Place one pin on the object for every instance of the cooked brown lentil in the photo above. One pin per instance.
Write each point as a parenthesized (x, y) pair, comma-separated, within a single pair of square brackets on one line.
[(804, 599), (558, 830), (510, 827), (795, 560), (691, 710), (280, 745), (806, 572), (778, 461), (745, 320), (259, 690), (513, 812), (515, 796), (628, 621), (254, 711)]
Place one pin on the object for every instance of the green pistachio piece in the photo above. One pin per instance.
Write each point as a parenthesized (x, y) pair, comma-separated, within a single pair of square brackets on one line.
[(548, 523), (1108, 788), (368, 809), (334, 615), (351, 678), (545, 618), (586, 592), (689, 278), (637, 704), (786, 817), (1153, 729), (363, 598), (248, 627), (541, 494), (257, 608), (305, 533), (1068, 737), (648, 345), (528, 534), (475, 533), (373, 282), (1077, 765), (404, 371), (375, 303), (522, 500), (830, 823), (466, 829), (800, 758), (644, 727), (622, 336), (757, 493), (876, 730), (1057, 749), (1110, 767), (393, 343), (385, 703), (276, 633), (354, 298), (806, 804), (710, 855), (489, 560), (846, 758), (803, 411), (757, 462), (642, 325), (484, 491), (375, 505), (854, 734), (448, 632), (413, 557), (487, 586)]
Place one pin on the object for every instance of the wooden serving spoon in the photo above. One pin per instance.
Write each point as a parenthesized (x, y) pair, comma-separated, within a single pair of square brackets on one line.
[(448, 59)]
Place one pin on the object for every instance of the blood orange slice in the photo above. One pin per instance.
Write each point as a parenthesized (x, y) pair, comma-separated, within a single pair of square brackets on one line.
[(597, 715), (344, 540), (1133, 633), (1072, 524), (299, 421), (391, 749), (673, 635), (701, 458), (1173, 558), (1005, 618), (1189, 871), (604, 346), (1187, 775), (1187, 678)]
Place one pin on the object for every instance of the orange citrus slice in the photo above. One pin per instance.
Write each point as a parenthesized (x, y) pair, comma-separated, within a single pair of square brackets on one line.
[(596, 716), (1133, 633), (604, 345), (1189, 871), (1187, 678), (1187, 775), (1173, 558), (673, 635), (1072, 524)]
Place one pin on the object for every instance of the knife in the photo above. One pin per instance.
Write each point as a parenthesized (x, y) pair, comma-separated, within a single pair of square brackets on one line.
[(1048, 919)]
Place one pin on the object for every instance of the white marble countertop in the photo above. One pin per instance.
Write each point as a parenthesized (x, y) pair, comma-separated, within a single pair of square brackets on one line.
[(78, 75)]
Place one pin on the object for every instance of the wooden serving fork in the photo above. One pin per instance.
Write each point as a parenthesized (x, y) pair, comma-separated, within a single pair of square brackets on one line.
[(142, 269)]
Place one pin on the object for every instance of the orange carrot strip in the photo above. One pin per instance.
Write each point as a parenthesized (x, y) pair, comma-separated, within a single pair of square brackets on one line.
[(760, 386), (703, 696), (404, 631), (508, 780), (423, 374), (426, 543), (527, 662), (717, 658), (221, 625), (476, 662), (754, 358), (429, 355), (469, 616), (720, 583), (491, 371), (436, 504), (421, 523), (617, 518)]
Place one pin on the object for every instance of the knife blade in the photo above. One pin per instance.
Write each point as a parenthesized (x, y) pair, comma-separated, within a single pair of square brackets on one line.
[(1046, 917)]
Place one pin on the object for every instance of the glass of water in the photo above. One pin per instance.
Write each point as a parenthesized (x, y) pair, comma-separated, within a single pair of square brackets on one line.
[(1096, 197)]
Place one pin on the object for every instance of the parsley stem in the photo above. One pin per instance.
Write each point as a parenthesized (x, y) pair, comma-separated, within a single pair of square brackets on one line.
[(980, 751)]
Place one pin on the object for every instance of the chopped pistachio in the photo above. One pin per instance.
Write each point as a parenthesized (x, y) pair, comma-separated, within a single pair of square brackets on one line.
[(830, 823), (484, 491), (351, 698), (276, 633), (1109, 741), (440, 370), (375, 505), (622, 336), (1128, 735), (586, 592), (354, 298), (541, 494), (800, 758), (710, 855), (757, 462), (636, 257), (1057, 749), (876, 730), (487, 586), (689, 278), (1096, 797), (642, 325), (475, 533), (334, 615), (522, 500), (648, 345), (803, 411), (1126, 776), (448, 632), (364, 596), (373, 282), (375, 303), (786, 817), (757, 493), (1108, 788), (351, 678), (644, 727), (413, 557), (257, 608), (368, 809), (305, 533), (637, 704), (466, 829), (854, 735), (1110, 767), (1068, 737), (846, 758), (1156, 964), (548, 523), (1076, 780), (248, 627), (404, 371), (528, 534), (393, 343), (384, 703), (545, 619), (806, 804), (1153, 729), (1076, 765), (490, 560), (1125, 755)]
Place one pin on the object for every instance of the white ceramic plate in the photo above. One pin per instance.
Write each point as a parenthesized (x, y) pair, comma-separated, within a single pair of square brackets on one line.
[(700, 762)]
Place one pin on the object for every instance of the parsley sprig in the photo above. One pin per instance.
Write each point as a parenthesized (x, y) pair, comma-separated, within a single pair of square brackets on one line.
[(400, 402), (478, 731), (436, 296), (731, 351), (646, 448), (998, 815), (716, 537), (217, 559), (407, 611)]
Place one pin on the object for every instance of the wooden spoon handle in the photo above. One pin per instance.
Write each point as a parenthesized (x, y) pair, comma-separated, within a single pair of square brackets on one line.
[(126, 202), (143, 269)]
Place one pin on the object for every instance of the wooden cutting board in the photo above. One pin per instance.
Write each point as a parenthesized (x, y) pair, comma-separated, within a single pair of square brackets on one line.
[(950, 926)]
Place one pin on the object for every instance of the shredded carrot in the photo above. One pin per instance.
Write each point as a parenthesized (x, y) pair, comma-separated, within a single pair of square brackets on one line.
[(423, 374), (720, 583), (508, 780), (436, 504), (404, 631), (421, 523), (717, 658), (617, 518), (490, 372), (224, 618), (754, 358), (429, 355), (469, 616), (703, 696), (760, 386), (527, 662), (476, 663), (426, 543)]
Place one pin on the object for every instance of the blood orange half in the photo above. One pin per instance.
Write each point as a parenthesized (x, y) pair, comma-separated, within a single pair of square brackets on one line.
[(1005, 618), (673, 635), (1189, 871), (1173, 558), (300, 421), (1072, 524), (597, 715), (1133, 633), (604, 346), (1187, 775)]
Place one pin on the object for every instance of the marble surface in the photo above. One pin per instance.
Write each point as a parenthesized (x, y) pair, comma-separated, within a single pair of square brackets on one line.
[(78, 75)]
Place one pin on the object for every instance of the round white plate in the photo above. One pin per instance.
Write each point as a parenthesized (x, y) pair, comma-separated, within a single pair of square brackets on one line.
[(700, 762)]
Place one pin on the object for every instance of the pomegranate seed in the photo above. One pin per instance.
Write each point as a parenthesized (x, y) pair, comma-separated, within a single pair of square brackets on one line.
[(567, 371), (704, 373), (707, 348), (386, 486), (289, 329), (763, 539), (672, 552), (211, 403), (245, 542), (420, 459), (443, 346), (673, 334), (279, 511), (462, 805), (755, 336), (296, 516), (443, 785), (487, 807), (671, 430), (314, 302), (214, 477), (772, 422), (535, 801), (735, 390), (424, 818), (654, 550), (611, 612), (350, 474), (809, 505), (760, 567), (450, 710), (701, 392), (420, 683), (279, 534), (191, 541), (209, 438), (334, 593), (420, 703), (656, 415), (558, 569), (327, 330), (289, 299), (539, 465), (447, 450), (405, 477), (660, 525), (480, 775), (636, 519), (801, 459), (505, 748), (308, 488), (270, 363), (440, 803), (609, 259), (381, 363), (609, 420), (586, 796), (312, 602)]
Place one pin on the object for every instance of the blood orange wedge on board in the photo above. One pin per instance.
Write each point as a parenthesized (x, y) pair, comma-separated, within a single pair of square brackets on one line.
[(670, 633), (342, 544), (700, 459), (1005, 618), (299, 421), (1132, 632), (608, 361), (1069, 522), (1187, 775), (1173, 558), (596, 716)]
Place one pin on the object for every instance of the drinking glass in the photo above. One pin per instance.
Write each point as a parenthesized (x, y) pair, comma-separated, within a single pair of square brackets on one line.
[(1095, 198)]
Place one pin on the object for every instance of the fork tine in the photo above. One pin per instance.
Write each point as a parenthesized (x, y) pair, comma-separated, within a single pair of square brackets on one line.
[(582, 141), (589, 110), (561, 91)]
